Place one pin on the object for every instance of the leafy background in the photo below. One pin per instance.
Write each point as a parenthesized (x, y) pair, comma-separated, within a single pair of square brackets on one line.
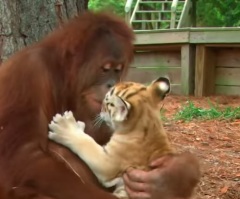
[(210, 13)]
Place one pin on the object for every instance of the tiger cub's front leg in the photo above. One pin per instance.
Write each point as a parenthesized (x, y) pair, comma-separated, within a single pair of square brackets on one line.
[(67, 131)]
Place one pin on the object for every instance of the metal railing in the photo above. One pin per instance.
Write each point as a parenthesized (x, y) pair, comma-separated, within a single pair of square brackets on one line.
[(185, 18), (183, 21), (128, 7), (173, 13)]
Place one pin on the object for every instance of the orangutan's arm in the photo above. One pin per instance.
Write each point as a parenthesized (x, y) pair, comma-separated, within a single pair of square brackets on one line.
[(48, 177)]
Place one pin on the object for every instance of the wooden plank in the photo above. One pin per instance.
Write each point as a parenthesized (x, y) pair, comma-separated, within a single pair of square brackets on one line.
[(176, 89), (189, 35), (210, 66), (187, 67), (161, 38), (192, 29), (205, 71), (199, 75), (227, 90), (157, 59), (158, 47), (148, 75), (228, 76), (213, 29), (228, 57), (221, 45), (217, 36)]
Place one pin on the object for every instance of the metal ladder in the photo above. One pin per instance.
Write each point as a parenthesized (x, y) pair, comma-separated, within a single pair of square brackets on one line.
[(156, 14)]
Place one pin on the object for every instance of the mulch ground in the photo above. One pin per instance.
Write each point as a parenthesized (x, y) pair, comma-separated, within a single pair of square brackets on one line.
[(216, 143)]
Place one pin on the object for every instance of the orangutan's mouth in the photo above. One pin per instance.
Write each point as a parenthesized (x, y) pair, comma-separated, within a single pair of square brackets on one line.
[(97, 103)]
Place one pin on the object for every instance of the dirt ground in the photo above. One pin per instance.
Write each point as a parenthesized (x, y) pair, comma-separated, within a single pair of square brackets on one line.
[(215, 142)]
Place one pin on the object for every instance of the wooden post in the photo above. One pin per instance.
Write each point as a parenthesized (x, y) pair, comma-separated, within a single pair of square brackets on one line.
[(187, 69), (205, 71)]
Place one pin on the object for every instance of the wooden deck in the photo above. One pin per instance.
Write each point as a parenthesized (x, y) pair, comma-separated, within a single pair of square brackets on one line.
[(188, 35), (200, 61)]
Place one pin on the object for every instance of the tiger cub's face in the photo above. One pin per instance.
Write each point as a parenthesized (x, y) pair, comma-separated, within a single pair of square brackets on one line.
[(126, 100)]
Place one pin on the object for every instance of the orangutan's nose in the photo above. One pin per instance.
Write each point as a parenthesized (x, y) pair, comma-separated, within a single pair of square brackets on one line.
[(111, 83)]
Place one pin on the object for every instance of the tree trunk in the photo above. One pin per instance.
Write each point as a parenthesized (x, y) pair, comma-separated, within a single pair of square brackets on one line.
[(25, 22)]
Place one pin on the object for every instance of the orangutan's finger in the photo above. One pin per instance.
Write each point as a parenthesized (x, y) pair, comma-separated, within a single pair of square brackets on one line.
[(137, 175), (135, 186)]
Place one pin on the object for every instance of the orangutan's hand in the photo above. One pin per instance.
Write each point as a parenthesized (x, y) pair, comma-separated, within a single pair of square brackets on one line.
[(172, 177)]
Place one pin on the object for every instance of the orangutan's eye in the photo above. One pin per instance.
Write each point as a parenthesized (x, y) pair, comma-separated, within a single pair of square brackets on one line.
[(105, 70), (119, 68), (106, 67)]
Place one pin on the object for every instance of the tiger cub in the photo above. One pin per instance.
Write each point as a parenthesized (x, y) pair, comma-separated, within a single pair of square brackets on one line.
[(132, 111)]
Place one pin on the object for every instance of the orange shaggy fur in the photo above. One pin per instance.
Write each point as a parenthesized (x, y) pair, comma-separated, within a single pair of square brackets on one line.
[(56, 74)]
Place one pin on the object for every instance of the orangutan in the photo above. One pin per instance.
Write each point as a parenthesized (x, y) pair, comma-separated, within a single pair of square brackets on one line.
[(70, 69)]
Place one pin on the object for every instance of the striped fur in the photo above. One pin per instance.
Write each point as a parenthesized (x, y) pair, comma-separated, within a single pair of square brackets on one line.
[(140, 103), (132, 110)]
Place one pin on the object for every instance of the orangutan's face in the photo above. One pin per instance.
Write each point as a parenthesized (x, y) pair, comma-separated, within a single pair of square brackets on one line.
[(110, 57)]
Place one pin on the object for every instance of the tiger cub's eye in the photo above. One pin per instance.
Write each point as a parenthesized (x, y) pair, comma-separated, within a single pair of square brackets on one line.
[(111, 104)]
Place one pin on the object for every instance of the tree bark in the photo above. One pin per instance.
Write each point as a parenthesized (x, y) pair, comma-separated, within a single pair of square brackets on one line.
[(23, 22)]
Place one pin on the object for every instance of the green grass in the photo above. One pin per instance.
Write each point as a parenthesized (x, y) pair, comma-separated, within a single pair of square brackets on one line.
[(190, 112), (162, 115)]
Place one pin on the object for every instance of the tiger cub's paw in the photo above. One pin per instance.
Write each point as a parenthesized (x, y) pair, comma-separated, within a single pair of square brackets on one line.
[(64, 128)]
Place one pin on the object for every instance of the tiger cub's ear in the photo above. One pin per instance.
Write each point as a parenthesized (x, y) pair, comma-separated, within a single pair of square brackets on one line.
[(159, 88), (122, 108)]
